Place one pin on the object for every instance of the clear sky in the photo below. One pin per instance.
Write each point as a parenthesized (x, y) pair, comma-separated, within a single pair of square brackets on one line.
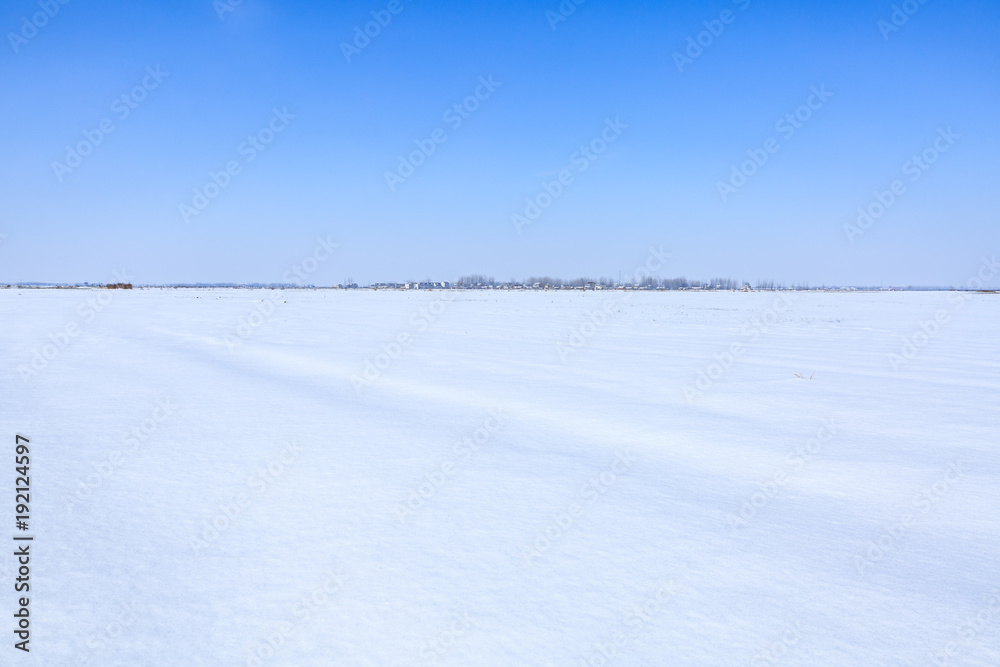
[(202, 81)]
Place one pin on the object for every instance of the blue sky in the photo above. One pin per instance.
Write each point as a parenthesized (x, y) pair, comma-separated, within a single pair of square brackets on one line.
[(225, 68)]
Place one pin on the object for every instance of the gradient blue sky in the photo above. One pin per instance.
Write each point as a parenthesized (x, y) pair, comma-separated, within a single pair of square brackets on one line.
[(655, 186)]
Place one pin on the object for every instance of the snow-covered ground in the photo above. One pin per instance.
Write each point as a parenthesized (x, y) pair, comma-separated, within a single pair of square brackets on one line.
[(226, 477)]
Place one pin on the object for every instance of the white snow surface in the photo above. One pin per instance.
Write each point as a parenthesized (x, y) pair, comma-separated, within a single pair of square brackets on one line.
[(605, 516)]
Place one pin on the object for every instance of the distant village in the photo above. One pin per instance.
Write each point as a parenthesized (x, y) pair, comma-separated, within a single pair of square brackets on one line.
[(549, 283), (537, 285), (477, 282)]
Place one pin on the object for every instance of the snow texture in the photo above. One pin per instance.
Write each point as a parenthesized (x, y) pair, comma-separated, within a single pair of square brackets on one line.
[(310, 477)]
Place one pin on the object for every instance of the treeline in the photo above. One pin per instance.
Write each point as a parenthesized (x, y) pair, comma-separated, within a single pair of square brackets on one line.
[(477, 280)]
